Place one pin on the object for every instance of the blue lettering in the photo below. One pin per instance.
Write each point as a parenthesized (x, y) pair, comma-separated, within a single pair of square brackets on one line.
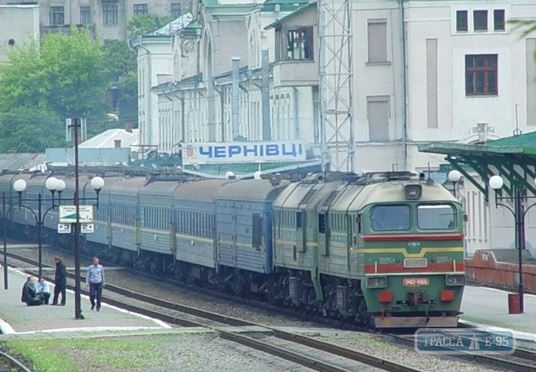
[(252, 150), (285, 151), (234, 150), (219, 151), (208, 152), (272, 150)]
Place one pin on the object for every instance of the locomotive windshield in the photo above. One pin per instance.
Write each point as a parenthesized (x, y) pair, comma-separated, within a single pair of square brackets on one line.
[(435, 217), (391, 217)]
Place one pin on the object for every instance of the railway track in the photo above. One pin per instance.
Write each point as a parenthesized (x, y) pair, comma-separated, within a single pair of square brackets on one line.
[(9, 363), (306, 351)]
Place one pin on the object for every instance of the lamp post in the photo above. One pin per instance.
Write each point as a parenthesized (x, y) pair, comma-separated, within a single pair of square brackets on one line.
[(53, 185), (97, 183), (454, 177), (519, 212)]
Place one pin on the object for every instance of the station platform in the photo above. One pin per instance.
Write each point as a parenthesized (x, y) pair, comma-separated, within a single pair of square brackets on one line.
[(17, 318), (489, 308), (482, 306)]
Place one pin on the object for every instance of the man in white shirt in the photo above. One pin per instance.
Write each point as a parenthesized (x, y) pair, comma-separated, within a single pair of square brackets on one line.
[(95, 281)]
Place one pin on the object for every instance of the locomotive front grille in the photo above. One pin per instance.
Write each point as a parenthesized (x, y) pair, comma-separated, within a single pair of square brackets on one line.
[(415, 262)]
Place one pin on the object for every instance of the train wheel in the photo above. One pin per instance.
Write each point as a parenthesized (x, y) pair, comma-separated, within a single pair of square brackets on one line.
[(363, 317)]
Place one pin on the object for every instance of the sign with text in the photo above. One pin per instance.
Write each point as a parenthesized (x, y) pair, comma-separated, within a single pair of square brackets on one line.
[(242, 152), (87, 228), (464, 341), (68, 214), (64, 228)]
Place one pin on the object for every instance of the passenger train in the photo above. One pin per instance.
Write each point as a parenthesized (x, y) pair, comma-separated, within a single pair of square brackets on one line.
[(383, 249)]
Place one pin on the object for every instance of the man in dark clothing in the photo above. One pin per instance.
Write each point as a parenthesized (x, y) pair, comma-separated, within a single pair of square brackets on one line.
[(60, 281), (29, 293)]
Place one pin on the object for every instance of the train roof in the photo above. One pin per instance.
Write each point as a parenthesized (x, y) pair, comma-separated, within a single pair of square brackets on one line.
[(199, 191), (355, 197), (251, 190)]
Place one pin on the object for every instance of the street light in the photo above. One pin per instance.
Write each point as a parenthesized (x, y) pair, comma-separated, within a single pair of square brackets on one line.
[(53, 185), (519, 212), (454, 177), (97, 183)]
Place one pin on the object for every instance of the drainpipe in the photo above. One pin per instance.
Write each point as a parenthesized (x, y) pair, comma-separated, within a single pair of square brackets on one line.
[(404, 85), (222, 113), (265, 96), (235, 97)]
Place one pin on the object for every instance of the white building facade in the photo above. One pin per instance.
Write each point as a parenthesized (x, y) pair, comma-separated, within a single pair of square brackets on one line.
[(421, 71)]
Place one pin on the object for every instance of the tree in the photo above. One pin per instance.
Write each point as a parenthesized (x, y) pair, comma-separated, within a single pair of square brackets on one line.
[(121, 65), (41, 85), (25, 129), (145, 24), (525, 27)]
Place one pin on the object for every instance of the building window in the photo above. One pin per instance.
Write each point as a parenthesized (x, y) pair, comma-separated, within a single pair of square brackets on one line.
[(110, 13), (175, 10), (481, 75), (480, 20), (461, 21), (140, 9), (300, 43), (85, 15), (378, 118), (377, 40), (57, 17), (498, 20)]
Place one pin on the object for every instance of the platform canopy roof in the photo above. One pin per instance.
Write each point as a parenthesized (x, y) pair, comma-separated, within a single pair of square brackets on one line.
[(513, 158)]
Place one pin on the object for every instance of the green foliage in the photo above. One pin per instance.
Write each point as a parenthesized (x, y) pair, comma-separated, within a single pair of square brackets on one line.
[(121, 65), (96, 353), (144, 24), (65, 75), (41, 85), (30, 130), (525, 27)]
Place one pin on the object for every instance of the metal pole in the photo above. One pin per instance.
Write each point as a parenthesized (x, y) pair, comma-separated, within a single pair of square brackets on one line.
[(77, 300), (39, 233), (520, 242), (4, 237)]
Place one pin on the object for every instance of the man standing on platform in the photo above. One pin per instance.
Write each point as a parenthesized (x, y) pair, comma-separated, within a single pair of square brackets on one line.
[(60, 281), (95, 281)]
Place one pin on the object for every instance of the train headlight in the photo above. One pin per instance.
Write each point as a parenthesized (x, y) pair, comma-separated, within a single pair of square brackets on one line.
[(413, 192), (455, 280), (376, 282)]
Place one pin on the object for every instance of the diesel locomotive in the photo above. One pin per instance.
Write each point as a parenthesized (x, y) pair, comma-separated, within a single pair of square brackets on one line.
[(383, 249)]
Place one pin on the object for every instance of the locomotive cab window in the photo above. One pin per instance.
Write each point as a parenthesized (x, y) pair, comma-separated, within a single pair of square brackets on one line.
[(390, 218), (436, 217)]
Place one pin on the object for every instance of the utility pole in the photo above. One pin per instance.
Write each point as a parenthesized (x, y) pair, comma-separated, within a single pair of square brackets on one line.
[(336, 79)]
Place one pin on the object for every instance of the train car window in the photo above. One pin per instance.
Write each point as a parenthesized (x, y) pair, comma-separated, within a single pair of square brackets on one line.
[(298, 220), (391, 218), (436, 217), (322, 223)]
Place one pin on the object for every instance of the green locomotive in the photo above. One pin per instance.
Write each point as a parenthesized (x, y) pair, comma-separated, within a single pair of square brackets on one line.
[(384, 249)]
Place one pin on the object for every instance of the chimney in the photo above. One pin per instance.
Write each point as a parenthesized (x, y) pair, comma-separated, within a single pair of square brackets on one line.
[(128, 127)]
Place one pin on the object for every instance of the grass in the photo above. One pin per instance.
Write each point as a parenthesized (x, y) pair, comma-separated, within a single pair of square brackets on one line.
[(92, 354)]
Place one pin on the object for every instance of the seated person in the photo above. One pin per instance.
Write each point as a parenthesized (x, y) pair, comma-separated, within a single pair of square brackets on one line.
[(42, 290), (29, 293)]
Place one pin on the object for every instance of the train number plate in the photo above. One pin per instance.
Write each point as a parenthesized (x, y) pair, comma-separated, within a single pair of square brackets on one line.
[(415, 262), (415, 282)]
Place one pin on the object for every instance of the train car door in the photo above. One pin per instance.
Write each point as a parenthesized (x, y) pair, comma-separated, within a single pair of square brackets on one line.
[(301, 228)]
